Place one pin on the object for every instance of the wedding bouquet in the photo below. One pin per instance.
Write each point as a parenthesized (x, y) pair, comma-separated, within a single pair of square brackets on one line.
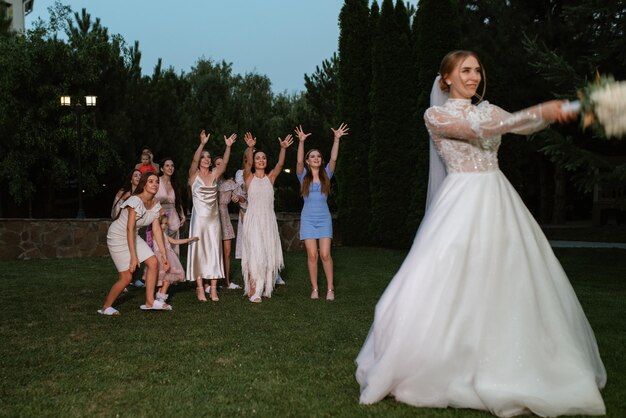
[(603, 106)]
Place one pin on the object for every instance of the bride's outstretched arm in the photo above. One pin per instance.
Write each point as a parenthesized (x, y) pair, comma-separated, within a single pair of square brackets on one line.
[(500, 122)]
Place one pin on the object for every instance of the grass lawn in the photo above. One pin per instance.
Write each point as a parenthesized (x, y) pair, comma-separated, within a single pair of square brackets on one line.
[(288, 356)]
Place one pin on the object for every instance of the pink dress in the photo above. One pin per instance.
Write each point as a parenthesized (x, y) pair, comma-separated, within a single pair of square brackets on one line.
[(176, 273), (167, 199)]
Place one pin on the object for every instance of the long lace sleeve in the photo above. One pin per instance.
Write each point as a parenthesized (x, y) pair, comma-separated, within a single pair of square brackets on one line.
[(473, 123)]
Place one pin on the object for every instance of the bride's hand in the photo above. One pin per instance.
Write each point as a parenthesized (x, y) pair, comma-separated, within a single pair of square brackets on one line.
[(552, 111)]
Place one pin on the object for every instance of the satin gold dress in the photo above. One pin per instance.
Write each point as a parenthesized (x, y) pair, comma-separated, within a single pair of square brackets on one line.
[(204, 258)]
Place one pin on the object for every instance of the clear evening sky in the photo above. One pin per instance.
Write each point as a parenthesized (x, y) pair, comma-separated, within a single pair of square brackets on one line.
[(282, 39)]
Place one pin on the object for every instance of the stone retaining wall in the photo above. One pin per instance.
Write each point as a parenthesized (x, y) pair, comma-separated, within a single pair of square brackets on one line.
[(24, 239)]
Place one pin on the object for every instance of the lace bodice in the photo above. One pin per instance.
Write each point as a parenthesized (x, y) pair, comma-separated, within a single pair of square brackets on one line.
[(467, 136)]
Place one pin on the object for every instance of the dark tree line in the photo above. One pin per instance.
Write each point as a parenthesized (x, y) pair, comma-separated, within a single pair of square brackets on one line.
[(165, 111), (378, 82)]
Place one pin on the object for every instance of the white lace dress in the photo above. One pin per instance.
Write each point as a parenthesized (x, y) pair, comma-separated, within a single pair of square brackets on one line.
[(480, 314), (262, 254)]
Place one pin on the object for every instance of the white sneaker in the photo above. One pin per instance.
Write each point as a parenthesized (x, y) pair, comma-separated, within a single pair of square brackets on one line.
[(279, 280), (161, 296), (233, 286)]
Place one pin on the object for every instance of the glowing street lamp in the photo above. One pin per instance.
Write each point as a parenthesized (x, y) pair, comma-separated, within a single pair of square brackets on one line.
[(79, 109)]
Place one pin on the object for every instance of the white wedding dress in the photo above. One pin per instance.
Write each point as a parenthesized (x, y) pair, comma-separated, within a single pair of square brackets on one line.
[(481, 314)]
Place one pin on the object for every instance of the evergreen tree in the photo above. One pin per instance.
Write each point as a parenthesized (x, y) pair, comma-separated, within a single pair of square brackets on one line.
[(560, 47), (392, 149), (321, 97), (436, 30), (354, 79)]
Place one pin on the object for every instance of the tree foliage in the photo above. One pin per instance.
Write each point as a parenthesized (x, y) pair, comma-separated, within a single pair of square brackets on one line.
[(74, 54), (392, 104), (354, 79), (436, 31)]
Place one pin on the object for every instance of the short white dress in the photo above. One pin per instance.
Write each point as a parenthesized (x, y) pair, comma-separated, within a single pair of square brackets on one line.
[(116, 236)]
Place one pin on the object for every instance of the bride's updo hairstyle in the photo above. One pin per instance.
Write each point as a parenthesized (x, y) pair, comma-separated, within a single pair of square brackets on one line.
[(449, 64)]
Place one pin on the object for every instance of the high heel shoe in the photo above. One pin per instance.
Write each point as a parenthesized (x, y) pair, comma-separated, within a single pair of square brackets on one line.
[(315, 294), (214, 298), (200, 294)]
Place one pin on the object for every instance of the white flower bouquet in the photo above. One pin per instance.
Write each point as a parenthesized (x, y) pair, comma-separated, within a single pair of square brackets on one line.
[(603, 106)]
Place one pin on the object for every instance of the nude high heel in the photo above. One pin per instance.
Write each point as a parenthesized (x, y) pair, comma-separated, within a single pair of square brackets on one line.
[(200, 294), (214, 298)]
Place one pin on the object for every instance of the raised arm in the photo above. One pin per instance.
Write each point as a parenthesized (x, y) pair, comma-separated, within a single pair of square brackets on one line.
[(247, 167), (284, 144), (193, 168), (229, 142), (334, 152), (300, 158)]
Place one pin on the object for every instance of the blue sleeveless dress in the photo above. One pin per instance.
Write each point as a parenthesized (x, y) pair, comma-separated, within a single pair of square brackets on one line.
[(315, 219)]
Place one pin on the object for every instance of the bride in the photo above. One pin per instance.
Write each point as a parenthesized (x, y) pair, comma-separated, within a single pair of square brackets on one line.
[(481, 314)]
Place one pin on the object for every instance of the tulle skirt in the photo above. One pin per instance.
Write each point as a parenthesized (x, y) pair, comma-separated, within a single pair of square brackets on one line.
[(481, 314)]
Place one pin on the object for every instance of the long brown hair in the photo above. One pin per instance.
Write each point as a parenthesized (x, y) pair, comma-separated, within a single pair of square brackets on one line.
[(449, 63), (140, 186), (127, 187), (308, 177), (178, 204), (143, 181)]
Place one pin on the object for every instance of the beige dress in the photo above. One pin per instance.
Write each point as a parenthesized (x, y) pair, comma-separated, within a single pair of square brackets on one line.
[(205, 256), (262, 256), (226, 188), (117, 240)]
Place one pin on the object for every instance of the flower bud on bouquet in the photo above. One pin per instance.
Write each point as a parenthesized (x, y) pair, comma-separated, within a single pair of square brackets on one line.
[(603, 106)]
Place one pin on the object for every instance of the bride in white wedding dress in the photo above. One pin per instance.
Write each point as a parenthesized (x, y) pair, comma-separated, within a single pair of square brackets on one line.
[(481, 314)]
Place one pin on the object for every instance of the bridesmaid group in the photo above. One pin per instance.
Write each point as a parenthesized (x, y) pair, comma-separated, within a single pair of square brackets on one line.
[(151, 198)]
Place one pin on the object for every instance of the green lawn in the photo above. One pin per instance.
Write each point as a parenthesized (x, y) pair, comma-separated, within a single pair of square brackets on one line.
[(288, 356)]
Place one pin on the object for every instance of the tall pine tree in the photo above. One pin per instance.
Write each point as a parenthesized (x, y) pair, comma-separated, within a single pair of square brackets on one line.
[(354, 74), (392, 149), (436, 31)]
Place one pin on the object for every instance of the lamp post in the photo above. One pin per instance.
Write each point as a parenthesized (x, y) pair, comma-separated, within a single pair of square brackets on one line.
[(79, 109)]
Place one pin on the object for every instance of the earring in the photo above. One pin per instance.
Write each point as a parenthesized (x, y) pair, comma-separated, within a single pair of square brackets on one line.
[(449, 82)]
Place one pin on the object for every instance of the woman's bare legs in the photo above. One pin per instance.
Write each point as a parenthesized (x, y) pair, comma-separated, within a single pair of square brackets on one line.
[(214, 297), (118, 287), (327, 265), (152, 267), (252, 293), (200, 290), (227, 245), (311, 261)]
